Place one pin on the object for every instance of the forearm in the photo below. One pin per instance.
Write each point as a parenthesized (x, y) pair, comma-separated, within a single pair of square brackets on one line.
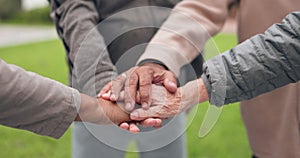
[(47, 107), (35, 103), (261, 64)]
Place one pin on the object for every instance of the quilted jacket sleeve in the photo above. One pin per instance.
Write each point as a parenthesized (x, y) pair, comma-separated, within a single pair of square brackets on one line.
[(259, 65)]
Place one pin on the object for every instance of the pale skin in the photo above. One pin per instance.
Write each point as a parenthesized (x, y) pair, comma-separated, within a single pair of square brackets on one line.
[(100, 111), (141, 77), (103, 112), (166, 104), (157, 102)]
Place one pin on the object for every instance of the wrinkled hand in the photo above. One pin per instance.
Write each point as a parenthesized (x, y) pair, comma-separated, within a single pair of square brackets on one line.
[(139, 78), (132, 125), (165, 104)]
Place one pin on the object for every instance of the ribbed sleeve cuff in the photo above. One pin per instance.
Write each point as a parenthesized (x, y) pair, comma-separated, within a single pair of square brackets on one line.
[(214, 78)]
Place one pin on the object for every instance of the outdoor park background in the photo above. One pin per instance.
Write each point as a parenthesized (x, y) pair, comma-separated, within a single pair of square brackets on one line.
[(47, 58)]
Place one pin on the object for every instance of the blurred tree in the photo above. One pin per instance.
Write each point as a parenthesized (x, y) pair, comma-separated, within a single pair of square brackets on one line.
[(8, 8)]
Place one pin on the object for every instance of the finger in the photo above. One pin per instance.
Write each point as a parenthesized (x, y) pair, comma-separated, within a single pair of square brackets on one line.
[(145, 82), (133, 128), (151, 122), (158, 123), (105, 89), (121, 97), (141, 114), (117, 86), (106, 95), (124, 126), (170, 82), (130, 91), (137, 98)]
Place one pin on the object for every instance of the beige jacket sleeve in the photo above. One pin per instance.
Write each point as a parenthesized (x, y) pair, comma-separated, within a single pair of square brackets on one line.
[(184, 34), (34, 103)]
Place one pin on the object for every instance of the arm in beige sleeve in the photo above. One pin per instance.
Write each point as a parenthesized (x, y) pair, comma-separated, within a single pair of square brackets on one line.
[(34, 103), (182, 37)]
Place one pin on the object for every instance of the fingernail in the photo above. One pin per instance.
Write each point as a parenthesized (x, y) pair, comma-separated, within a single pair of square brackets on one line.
[(134, 114), (113, 97), (172, 84), (145, 106), (105, 95), (128, 106)]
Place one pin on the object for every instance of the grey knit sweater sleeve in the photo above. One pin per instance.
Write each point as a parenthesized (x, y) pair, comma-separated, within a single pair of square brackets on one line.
[(90, 65)]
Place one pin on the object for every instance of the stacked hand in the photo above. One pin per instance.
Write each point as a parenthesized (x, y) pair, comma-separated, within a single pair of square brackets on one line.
[(134, 86), (139, 78), (166, 104), (155, 89), (100, 111)]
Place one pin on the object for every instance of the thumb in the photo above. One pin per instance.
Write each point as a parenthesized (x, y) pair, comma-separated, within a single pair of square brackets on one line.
[(170, 82)]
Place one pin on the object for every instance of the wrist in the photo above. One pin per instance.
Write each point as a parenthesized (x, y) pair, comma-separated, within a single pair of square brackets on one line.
[(91, 111), (113, 113), (193, 93), (203, 93), (153, 61)]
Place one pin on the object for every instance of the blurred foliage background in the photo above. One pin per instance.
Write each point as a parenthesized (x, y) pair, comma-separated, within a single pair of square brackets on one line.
[(8, 8), (39, 16), (11, 12)]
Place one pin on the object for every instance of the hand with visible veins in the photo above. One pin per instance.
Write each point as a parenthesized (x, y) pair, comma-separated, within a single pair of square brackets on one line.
[(130, 125), (138, 81), (139, 78), (166, 104)]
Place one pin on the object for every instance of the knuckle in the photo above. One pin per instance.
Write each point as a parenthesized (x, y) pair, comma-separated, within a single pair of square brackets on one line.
[(144, 93), (129, 98), (170, 74), (145, 83), (133, 80), (144, 97)]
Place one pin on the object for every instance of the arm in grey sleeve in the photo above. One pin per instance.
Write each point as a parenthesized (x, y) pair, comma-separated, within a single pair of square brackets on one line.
[(259, 65), (34, 103), (76, 22)]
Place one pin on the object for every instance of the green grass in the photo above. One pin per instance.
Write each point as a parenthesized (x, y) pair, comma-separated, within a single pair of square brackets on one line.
[(227, 139)]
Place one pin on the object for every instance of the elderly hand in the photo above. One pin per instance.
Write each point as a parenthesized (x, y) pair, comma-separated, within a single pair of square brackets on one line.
[(101, 111), (115, 113), (139, 78), (165, 104)]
